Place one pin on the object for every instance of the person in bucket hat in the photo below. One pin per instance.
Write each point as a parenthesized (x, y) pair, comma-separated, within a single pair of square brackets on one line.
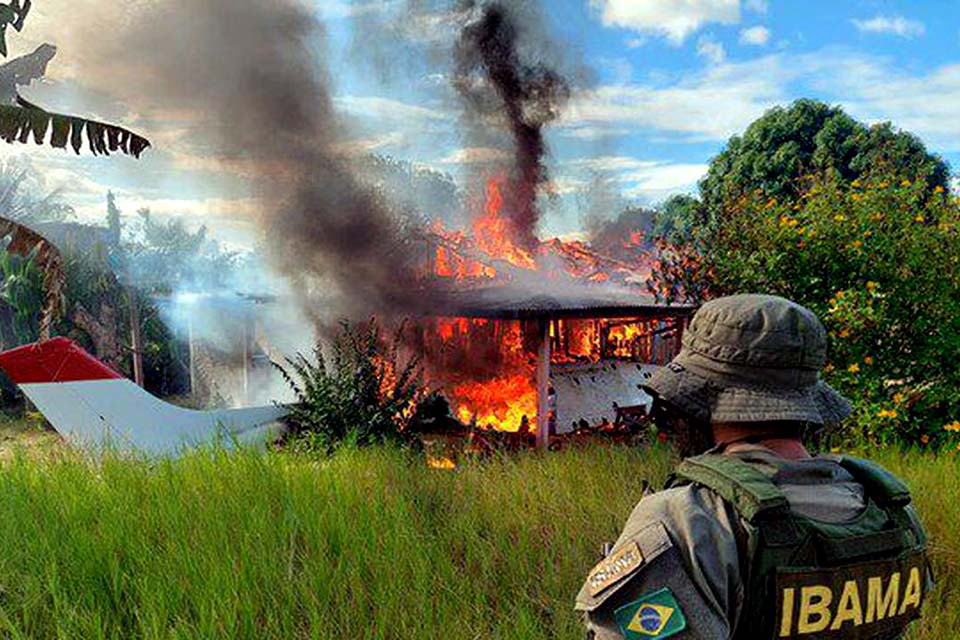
[(755, 537)]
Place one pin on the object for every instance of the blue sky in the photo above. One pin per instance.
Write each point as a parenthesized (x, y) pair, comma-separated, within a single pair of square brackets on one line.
[(661, 85)]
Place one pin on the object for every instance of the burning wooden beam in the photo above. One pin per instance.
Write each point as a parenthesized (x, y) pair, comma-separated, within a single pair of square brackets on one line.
[(543, 383)]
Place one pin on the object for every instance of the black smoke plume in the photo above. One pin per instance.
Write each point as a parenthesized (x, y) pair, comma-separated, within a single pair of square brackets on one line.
[(253, 74), (493, 77)]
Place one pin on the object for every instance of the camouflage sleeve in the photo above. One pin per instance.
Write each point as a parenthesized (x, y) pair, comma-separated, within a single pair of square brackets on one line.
[(682, 582)]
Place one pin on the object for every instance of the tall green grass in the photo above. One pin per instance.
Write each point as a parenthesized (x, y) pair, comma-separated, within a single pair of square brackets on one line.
[(368, 544)]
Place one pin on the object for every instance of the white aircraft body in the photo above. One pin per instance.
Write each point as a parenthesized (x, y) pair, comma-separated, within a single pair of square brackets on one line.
[(95, 407)]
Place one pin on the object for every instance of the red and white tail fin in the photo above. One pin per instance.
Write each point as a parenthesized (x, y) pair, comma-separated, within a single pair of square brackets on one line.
[(94, 406)]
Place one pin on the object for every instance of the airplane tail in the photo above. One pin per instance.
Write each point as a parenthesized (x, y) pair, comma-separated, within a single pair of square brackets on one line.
[(94, 406)]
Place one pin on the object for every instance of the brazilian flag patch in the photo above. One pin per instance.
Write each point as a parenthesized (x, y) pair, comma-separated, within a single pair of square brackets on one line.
[(655, 615)]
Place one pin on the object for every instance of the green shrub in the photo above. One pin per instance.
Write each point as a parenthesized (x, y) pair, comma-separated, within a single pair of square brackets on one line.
[(362, 394), (879, 262)]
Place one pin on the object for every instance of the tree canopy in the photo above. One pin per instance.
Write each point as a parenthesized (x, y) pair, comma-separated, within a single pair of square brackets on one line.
[(856, 223), (782, 151)]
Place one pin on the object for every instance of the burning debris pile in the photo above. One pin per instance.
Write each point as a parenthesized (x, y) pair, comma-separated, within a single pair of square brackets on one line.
[(490, 253)]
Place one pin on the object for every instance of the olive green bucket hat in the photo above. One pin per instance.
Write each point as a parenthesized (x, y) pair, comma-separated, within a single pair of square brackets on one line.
[(751, 358)]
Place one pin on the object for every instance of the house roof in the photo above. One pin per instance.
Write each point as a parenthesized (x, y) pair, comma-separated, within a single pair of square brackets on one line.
[(562, 301)]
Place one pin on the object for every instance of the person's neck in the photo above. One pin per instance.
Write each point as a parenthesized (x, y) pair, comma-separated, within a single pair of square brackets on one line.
[(788, 448), (739, 435)]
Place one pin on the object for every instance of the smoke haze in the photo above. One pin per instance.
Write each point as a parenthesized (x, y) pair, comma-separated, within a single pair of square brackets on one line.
[(255, 72)]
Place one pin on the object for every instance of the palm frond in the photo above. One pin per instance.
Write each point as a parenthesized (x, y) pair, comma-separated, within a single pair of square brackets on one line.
[(21, 121)]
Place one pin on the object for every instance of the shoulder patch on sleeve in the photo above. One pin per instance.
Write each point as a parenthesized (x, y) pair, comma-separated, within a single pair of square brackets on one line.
[(627, 559), (615, 566), (653, 616)]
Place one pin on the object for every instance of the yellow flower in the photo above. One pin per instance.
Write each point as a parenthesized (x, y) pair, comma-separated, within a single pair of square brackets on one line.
[(837, 450), (856, 244), (855, 183), (840, 294), (871, 286), (919, 218), (784, 219), (801, 231), (793, 222), (839, 217), (877, 217), (958, 446), (845, 333), (884, 184), (938, 189), (905, 183), (887, 413), (855, 196), (771, 202), (953, 426), (854, 368), (899, 397), (868, 360), (867, 233), (924, 439)]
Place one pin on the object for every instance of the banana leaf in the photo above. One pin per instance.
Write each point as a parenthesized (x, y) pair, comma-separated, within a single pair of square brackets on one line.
[(18, 122)]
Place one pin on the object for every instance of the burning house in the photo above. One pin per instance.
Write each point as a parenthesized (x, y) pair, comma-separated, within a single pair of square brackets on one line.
[(547, 340)]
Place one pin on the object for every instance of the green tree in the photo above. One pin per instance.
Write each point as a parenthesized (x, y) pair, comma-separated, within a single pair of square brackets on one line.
[(113, 221), (783, 150), (678, 218), (882, 271), (22, 197), (167, 255)]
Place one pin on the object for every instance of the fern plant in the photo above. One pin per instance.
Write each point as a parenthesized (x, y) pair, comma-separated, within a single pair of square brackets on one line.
[(361, 393)]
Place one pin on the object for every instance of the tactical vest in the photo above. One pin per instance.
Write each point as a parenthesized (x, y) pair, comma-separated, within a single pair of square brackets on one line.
[(807, 579)]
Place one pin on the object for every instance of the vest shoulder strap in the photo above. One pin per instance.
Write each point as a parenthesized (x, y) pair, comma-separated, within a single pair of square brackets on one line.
[(880, 484), (749, 490)]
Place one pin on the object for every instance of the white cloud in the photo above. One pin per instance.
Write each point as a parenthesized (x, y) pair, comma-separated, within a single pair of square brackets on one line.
[(334, 9), (611, 163), (710, 105), (712, 50), (635, 43), (475, 155), (362, 146), (660, 182), (380, 107), (673, 19), (896, 25), (758, 6), (665, 178), (758, 36), (594, 133), (565, 185), (875, 89)]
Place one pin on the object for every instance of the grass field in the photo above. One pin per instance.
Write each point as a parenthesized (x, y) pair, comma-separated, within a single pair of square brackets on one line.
[(366, 545)]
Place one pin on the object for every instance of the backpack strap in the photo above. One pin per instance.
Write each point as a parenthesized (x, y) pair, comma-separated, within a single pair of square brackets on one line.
[(750, 491), (880, 484)]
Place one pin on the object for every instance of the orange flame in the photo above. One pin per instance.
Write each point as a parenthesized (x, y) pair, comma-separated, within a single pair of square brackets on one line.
[(500, 403), (441, 463), (623, 338), (492, 231)]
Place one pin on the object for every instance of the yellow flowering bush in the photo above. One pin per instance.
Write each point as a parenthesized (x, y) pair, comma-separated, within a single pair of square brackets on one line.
[(878, 262)]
